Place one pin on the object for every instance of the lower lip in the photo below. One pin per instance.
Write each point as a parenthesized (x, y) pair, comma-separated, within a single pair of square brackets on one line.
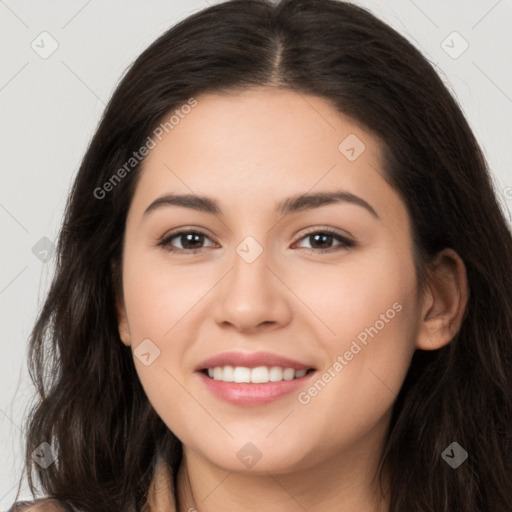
[(250, 395)]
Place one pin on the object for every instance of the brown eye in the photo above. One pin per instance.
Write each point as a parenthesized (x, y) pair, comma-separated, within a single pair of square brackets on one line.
[(190, 241), (322, 241)]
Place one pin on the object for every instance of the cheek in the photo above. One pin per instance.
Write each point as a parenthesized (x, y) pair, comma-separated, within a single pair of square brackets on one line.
[(168, 305), (158, 294), (357, 389), (367, 315), (356, 292), (373, 310)]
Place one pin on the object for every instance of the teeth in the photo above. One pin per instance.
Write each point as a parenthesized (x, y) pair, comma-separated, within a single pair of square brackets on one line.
[(258, 375), (240, 374), (276, 374), (228, 374)]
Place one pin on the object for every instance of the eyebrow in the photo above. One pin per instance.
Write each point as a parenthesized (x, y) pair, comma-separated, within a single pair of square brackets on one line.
[(297, 203)]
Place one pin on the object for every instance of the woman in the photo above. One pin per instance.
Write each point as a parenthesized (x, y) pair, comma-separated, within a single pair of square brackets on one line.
[(249, 371)]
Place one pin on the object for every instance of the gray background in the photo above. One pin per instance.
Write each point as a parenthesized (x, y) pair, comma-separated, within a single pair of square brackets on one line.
[(50, 108)]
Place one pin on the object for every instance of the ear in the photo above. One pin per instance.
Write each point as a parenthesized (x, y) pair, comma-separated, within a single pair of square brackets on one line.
[(122, 323), (122, 320), (445, 300)]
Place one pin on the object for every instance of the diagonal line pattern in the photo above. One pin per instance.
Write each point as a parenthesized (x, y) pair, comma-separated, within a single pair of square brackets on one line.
[(8, 492), (17, 426), (12, 280), (383, 383), (14, 76), (14, 218), (75, 15), (301, 300), (199, 403), (492, 81), (196, 303), (302, 96), (13, 13), (424, 13), (292, 497), (486, 14), (165, 165), (305, 194), (280, 423), (216, 487), (83, 82)]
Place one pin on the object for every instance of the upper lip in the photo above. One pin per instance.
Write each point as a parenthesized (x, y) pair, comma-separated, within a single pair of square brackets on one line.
[(251, 360)]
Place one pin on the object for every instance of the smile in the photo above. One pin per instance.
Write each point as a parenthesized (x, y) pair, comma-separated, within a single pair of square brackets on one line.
[(253, 378), (253, 394)]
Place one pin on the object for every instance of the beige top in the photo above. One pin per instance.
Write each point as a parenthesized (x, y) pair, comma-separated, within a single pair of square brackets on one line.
[(161, 496)]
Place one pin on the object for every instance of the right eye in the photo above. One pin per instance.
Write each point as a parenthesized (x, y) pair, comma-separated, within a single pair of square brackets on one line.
[(190, 240)]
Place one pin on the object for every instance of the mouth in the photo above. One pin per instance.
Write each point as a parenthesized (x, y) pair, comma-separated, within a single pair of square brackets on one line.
[(253, 378)]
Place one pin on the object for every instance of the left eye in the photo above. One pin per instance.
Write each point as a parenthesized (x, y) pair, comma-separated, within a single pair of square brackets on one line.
[(326, 237), (191, 241)]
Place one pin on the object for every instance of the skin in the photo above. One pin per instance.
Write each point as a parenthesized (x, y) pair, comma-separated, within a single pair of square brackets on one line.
[(249, 151)]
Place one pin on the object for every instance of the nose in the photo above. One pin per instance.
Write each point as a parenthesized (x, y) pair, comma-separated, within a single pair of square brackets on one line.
[(253, 297)]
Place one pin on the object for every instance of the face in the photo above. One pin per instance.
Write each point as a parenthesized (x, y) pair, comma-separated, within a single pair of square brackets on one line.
[(327, 284)]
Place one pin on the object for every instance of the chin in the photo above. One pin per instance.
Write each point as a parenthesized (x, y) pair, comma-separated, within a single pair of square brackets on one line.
[(255, 458)]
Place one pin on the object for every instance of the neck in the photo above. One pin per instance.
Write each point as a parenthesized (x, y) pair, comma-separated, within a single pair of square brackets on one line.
[(343, 483)]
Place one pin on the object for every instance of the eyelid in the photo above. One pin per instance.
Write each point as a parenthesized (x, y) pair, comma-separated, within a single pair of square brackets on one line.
[(325, 229)]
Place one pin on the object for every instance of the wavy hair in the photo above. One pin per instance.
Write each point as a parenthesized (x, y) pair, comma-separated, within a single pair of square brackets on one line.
[(90, 403)]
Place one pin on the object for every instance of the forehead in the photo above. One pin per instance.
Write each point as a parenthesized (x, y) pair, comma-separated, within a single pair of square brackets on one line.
[(266, 120), (263, 144)]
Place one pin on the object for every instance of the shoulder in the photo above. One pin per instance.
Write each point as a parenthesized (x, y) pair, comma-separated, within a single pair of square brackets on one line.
[(40, 505)]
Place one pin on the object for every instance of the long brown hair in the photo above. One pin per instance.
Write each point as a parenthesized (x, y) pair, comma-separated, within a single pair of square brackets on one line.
[(91, 405)]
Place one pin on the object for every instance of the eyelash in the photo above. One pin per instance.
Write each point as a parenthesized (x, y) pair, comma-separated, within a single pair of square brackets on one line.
[(345, 242)]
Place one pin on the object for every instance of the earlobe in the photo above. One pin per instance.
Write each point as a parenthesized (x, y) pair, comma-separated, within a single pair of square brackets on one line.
[(122, 325), (445, 301), (122, 321)]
